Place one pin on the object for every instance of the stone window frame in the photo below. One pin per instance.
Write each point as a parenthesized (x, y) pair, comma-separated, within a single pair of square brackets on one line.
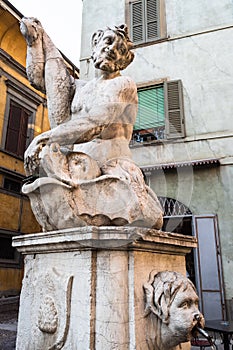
[(23, 96)]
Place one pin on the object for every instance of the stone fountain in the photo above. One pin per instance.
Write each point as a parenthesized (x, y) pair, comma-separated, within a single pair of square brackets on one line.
[(102, 275)]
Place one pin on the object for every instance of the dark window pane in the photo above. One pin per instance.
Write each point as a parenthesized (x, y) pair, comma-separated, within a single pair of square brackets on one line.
[(6, 249), (12, 185)]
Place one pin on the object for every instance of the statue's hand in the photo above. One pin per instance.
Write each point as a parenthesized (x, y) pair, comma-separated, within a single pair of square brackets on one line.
[(31, 155)]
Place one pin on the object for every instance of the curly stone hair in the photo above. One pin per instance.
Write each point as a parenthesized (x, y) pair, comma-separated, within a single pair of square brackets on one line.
[(161, 291), (122, 32)]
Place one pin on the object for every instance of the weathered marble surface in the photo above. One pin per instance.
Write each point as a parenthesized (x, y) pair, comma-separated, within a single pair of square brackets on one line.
[(84, 288), (83, 164)]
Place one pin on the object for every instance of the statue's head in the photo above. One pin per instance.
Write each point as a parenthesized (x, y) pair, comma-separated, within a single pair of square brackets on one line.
[(111, 49), (173, 299), (31, 29)]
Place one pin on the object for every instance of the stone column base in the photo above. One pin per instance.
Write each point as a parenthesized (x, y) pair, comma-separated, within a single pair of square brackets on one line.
[(83, 287)]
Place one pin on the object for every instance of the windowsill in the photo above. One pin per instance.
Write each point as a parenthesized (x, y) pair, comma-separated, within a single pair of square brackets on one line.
[(11, 154), (153, 42), (136, 46), (12, 193), (156, 142)]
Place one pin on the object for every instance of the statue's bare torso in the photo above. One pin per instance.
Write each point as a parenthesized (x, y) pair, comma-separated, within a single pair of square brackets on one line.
[(116, 113)]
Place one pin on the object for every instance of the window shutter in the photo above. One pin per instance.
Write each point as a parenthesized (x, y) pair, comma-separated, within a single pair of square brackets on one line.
[(17, 130), (174, 109), (23, 133), (137, 22), (13, 128), (152, 19)]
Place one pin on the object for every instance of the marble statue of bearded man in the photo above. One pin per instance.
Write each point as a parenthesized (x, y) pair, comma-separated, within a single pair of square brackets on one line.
[(81, 171)]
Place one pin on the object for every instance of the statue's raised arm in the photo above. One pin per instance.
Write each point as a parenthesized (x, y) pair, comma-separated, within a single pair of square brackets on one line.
[(46, 71), (86, 154)]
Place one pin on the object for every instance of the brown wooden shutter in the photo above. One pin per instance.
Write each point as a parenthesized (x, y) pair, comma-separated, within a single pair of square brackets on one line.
[(137, 22), (23, 133), (152, 19), (174, 109), (13, 128), (17, 130)]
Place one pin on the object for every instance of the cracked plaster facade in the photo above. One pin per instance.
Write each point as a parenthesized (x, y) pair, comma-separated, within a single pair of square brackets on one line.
[(198, 50)]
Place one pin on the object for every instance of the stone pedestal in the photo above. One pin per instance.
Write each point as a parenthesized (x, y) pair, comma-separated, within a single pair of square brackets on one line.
[(83, 287)]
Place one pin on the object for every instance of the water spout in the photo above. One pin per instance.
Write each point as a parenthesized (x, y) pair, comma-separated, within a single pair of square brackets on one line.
[(205, 334), (208, 337)]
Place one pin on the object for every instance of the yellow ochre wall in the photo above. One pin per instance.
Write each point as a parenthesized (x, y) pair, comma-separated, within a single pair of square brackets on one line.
[(15, 212)]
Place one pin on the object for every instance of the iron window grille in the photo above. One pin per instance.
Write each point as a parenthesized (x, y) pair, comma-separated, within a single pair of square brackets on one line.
[(172, 207)]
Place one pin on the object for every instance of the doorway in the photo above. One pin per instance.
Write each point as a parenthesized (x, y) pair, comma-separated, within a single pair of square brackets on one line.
[(203, 264)]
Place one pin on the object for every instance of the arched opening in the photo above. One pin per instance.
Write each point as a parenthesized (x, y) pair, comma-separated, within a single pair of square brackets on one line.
[(178, 219)]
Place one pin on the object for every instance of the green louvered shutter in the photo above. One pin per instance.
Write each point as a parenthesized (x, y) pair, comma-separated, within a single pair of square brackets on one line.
[(151, 114), (152, 19), (137, 22), (174, 109)]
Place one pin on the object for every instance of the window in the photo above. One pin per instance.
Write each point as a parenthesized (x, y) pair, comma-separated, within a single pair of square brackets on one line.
[(19, 117), (172, 207), (16, 136), (9, 256), (6, 249), (178, 218), (145, 21), (160, 112), (12, 184)]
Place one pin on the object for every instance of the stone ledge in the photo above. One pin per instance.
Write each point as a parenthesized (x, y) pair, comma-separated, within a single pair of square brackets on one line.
[(109, 237)]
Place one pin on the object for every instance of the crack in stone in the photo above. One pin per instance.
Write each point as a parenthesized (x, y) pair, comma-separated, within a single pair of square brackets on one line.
[(211, 57)]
